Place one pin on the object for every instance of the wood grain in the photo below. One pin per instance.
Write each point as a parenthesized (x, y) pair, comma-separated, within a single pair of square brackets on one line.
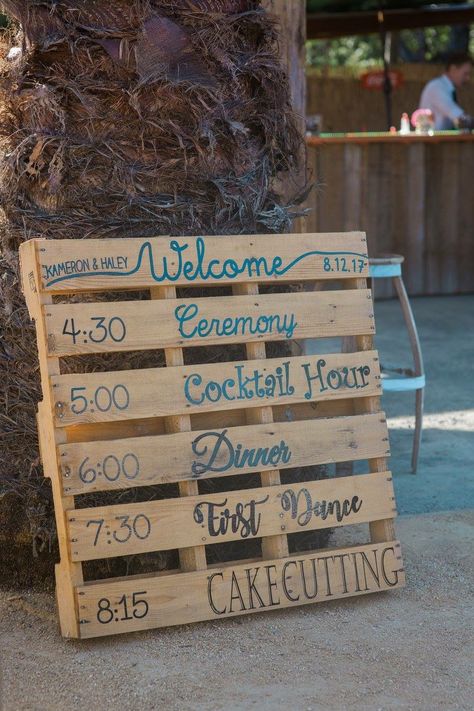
[(232, 590), (100, 265), (144, 325), (144, 461), (157, 392), (106, 532)]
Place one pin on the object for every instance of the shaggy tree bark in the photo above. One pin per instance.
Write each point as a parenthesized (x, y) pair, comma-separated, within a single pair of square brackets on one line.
[(148, 117), (130, 118)]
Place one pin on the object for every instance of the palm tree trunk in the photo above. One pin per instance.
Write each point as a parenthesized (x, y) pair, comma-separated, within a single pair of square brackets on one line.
[(131, 118)]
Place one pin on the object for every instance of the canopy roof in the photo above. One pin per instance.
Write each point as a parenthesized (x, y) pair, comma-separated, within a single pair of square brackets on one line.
[(340, 18), (363, 5)]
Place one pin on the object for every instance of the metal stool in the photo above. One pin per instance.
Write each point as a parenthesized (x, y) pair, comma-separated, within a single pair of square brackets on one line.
[(390, 267)]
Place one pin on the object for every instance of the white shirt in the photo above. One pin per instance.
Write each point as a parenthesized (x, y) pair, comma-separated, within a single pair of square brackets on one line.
[(438, 96)]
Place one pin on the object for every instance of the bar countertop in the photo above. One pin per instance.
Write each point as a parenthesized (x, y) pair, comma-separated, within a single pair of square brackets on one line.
[(387, 137)]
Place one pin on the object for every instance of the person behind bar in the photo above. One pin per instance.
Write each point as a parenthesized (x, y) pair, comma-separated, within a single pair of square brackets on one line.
[(440, 94)]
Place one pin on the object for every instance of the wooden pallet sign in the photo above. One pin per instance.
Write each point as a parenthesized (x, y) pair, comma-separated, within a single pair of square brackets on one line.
[(187, 421)]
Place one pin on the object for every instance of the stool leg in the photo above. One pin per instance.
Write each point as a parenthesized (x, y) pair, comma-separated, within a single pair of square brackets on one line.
[(418, 363), (420, 397), (349, 345)]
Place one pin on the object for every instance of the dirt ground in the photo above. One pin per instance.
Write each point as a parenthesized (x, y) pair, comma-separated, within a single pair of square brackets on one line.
[(411, 649)]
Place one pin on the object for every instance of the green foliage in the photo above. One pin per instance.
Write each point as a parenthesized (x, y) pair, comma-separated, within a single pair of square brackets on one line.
[(348, 51), (429, 45)]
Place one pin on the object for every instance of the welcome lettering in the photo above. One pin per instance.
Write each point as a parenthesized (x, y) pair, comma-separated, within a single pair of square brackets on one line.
[(199, 268)]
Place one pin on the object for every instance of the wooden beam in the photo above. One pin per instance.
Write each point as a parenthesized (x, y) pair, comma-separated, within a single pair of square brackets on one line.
[(291, 16), (344, 24)]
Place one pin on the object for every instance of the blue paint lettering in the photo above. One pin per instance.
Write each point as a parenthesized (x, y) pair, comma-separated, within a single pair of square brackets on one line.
[(192, 325), (175, 267)]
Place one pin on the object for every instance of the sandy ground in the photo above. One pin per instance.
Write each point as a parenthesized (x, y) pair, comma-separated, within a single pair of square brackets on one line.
[(408, 650), (411, 649)]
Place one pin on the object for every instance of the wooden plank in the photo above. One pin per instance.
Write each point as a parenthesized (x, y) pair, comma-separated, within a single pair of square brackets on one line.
[(100, 432), (68, 573), (157, 392), (106, 532), (163, 601), (143, 325), (98, 265), (142, 461), (189, 558)]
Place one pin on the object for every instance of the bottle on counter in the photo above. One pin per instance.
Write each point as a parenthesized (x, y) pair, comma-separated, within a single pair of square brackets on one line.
[(405, 129)]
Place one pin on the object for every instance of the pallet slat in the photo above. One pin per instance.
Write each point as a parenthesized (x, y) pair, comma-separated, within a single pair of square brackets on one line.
[(162, 601), (95, 265), (106, 532), (102, 431), (160, 392), (143, 461), (133, 326)]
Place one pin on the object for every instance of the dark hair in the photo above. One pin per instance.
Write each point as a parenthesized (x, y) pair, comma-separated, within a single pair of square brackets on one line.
[(457, 59)]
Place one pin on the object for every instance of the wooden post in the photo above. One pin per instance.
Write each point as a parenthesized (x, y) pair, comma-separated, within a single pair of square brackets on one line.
[(292, 19), (291, 15), (68, 573), (273, 546), (190, 558)]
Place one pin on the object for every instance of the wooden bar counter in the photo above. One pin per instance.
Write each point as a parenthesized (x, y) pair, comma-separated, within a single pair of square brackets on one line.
[(413, 195)]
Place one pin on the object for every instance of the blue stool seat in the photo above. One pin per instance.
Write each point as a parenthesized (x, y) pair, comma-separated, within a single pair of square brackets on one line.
[(403, 385)]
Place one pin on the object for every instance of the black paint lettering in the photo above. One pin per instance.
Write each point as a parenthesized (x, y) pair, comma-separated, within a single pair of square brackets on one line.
[(235, 594), (392, 583), (271, 584), (209, 593), (366, 564), (356, 572), (252, 589), (309, 596), (340, 558), (290, 501), (285, 579)]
